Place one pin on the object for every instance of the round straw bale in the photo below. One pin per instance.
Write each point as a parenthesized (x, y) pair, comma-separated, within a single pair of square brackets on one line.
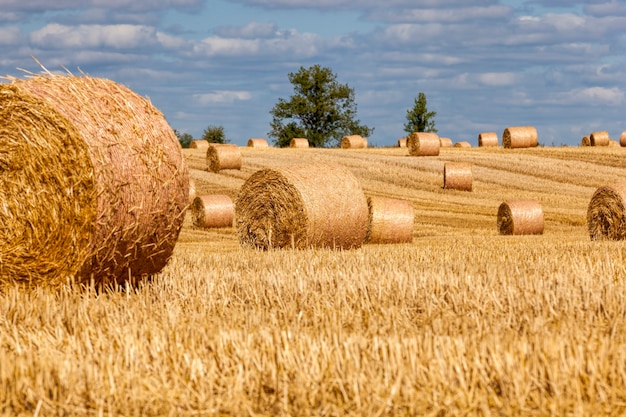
[(606, 213), (600, 138), (457, 176), (520, 217), (93, 185), (585, 141), (192, 190), (213, 210), (353, 142), (445, 143), (487, 139), (257, 143), (199, 144), (299, 143), (613, 143), (390, 220), (301, 206), (622, 139), (423, 144), (223, 156), (519, 137), (462, 145), (402, 143)]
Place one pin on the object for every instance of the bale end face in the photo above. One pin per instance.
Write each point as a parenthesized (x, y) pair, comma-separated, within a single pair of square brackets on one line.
[(606, 213)]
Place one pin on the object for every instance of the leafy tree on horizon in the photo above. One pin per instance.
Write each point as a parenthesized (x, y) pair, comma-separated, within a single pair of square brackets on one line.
[(215, 134), (184, 138), (419, 119), (321, 110)]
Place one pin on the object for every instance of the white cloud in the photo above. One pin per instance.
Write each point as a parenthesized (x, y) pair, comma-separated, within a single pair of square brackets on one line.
[(249, 31), (10, 35), (592, 95), (221, 97), (288, 42)]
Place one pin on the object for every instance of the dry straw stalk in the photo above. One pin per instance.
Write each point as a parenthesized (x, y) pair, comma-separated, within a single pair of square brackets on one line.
[(353, 142), (214, 210), (519, 137), (223, 156), (257, 143), (606, 213), (520, 217), (300, 206), (600, 138), (93, 182), (423, 144), (446, 143), (457, 176), (199, 144), (299, 143), (390, 220), (487, 139)]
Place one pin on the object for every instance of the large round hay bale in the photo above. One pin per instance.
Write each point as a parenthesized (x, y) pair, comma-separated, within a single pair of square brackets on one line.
[(257, 143), (585, 141), (353, 142), (520, 217), (199, 144), (457, 176), (423, 144), (606, 213), (93, 185), (463, 144), (402, 143), (223, 156), (622, 139), (445, 143), (213, 210), (486, 139), (390, 220), (300, 206), (519, 137), (299, 143), (600, 138)]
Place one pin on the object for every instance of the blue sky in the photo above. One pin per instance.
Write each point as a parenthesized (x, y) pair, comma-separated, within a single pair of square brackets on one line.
[(484, 65)]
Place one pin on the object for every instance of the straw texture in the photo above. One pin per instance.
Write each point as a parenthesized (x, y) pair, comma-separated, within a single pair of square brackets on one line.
[(353, 142), (223, 156), (457, 176), (520, 217), (519, 137), (214, 210), (300, 206), (199, 144), (390, 220), (487, 139), (462, 145), (257, 143), (299, 143), (606, 213), (93, 183), (622, 139), (423, 144), (600, 138), (585, 141), (445, 143), (402, 143)]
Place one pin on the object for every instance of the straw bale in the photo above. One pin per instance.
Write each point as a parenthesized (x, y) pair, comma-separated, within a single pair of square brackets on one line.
[(600, 138), (199, 144), (423, 144), (390, 220), (223, 156), (606, 213), (301, 206), (445, 143), (520, 217), (213, 210), (519, 137), (622, 139), (457, 176), (192, 190), (93, 187), (585, 141), (257, 143), (402, 142), (462, 145), (353, 142), (299, 143), (487, 139), (613, 144)]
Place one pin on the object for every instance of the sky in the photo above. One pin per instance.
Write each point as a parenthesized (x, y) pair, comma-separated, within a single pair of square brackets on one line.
[(484, 65)]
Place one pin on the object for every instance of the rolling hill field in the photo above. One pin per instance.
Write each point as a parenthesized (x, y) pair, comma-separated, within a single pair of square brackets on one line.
[(462, 321)]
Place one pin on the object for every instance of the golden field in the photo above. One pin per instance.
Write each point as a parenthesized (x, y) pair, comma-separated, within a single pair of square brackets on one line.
[(462, 321)]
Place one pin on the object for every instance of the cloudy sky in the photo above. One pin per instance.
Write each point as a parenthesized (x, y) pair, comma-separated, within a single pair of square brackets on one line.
[(484, 65)]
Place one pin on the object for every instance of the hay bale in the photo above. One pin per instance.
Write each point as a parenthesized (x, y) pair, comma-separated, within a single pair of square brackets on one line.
[(486, 139), (390, 220), (299, 143), (301, 206), (223, 156), (457, 176), (353, 142), (445, 143), (613, 143), (423, 144), (585, 141), (519, 137), (192, 190), (462, 144), (600, 138), (257, 143), (199, 144), (214, 210), (93, 184), (622, 139), (606, 213), (520, 217), (402, 143)]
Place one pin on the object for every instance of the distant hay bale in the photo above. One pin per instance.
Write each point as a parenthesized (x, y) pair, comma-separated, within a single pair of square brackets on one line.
[(622, 139), (445, 143), (519, 137), (192, 190), (613, 143), (486, 139), (223, 156), (462, 144), (213, 210), (600, 138), (257, 143), (94, 186), (585, 141), (423, 144), (606, 213), (301, 206), (457, 176), (353, 142), (299, 143), (520, 217), (402, 143), (390, 220), (199, 144)]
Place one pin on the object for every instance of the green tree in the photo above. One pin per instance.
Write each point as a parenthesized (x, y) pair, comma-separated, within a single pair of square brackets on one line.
[(321, 110), (419, 119), (184, 138), (215, 134)]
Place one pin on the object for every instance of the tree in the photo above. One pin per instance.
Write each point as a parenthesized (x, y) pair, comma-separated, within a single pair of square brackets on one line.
[(321, 110), (419, 119), (215, 134), (184, 138)]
